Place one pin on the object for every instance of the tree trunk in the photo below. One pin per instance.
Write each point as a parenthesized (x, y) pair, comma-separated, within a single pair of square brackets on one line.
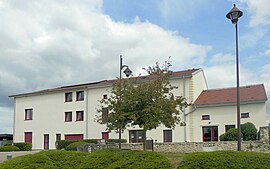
[(119, 144), (144, 140)]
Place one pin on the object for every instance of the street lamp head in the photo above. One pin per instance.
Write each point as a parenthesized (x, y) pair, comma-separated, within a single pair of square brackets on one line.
[(127, 72), (234, 14)]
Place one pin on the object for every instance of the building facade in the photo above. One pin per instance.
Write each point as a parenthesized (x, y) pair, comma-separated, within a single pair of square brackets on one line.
[(69, 112)]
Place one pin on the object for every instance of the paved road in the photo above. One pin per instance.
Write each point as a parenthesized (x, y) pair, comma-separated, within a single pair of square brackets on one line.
[(3, 155)]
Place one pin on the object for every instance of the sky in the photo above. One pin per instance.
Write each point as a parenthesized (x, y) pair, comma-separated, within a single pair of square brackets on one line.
[(48, 43)]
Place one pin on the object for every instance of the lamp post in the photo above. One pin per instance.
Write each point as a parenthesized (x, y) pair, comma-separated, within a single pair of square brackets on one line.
[(234, 15), (127, 72)]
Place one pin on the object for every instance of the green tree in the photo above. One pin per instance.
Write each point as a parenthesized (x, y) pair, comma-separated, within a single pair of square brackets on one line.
[(230, 135), (145, 101), (249, 131)]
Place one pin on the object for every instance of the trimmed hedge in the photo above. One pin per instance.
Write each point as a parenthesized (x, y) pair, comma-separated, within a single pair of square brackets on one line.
[(24, 146), (9, 148), (62, 144), (226, 159), (230, 135), (109, 158), (73, 146)]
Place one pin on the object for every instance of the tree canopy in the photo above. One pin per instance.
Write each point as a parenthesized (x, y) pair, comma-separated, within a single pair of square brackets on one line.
[(146, 101)]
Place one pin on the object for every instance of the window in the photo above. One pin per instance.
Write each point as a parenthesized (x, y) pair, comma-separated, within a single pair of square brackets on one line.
[(68, 97), (136, 136), (28, 114), (166, 90), (210, 133), (228, 127), (58, 137), (105, 135), (245, 115), (28, 137), (167, 135), (105, 96), (68, 116), (80, 96), (205, 117), (79, 115), (73, 136), (105, 114)]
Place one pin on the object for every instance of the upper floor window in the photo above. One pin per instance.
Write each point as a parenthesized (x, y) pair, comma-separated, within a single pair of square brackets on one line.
[(28, 114), (105, 96), (79, 115), (68, 97), (80, 95), (105, 114), (205, 117), (68, 116), (245, 115)]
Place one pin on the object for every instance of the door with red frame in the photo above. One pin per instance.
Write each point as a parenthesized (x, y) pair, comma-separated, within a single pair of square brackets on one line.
[(46, 141), (28, 137), (73, 136), (210, 133)]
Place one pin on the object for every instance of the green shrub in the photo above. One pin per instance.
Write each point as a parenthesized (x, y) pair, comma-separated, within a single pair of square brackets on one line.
[(9, 148), (107, 158), (226, 159), (249, 131), (24, 146), (73, 146), (230, 135), (62, 144)]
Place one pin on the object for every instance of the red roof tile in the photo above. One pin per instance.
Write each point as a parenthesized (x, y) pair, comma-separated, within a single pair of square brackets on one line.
[(225, 96)]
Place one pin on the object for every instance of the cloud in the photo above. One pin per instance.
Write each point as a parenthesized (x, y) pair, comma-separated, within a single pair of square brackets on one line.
[(6, 118), (221, 58), (259, 11), (47, 44)]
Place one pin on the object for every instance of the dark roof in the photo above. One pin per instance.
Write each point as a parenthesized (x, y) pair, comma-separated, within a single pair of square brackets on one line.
[(252, 93), (103, 83)]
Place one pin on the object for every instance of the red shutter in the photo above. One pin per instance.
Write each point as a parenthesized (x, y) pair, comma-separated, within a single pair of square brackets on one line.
[(28, 137), (74, 137)]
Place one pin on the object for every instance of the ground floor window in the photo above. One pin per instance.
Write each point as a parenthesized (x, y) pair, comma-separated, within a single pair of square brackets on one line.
[(28, 137), (210, 133), (167, 135), (73, 136), (105, 135), (135, 136), (228, 127)]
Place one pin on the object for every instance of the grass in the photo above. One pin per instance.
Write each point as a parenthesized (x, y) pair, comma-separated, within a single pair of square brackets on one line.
[(175, 158)]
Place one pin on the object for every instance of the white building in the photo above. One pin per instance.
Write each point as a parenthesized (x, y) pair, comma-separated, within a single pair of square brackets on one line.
[(69, 112)]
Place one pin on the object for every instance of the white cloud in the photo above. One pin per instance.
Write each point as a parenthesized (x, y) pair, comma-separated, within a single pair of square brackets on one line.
[(45, 44), (222, 58), (6, 118), (259, 11)]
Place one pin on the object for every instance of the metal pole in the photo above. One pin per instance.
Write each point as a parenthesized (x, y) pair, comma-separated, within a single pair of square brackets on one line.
[(120, 77), (238, 93)]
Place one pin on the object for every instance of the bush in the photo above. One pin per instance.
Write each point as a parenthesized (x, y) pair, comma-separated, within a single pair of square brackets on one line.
[(9, 148), (62, 144), (249, 131), (109, 158), (73, 146), (230, 135), (24, 146), (226, 159)]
